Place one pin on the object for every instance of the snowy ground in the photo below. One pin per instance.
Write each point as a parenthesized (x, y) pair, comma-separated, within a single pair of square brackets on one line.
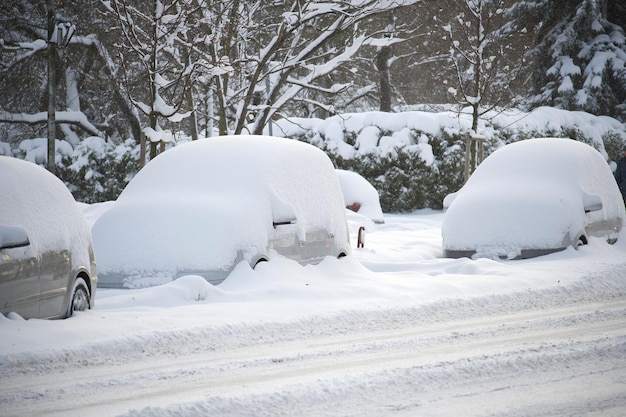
[(392, 330)]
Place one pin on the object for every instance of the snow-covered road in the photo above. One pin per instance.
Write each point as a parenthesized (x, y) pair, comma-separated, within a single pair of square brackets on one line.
[(565, 360), (550, 342)]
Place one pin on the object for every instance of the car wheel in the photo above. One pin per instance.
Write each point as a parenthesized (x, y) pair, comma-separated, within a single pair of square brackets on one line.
[(79, 301), (611, 239), (260, 260), (582, 240)]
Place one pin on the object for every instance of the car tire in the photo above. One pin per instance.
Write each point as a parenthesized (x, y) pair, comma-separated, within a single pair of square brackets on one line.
[(581, 241), (80, 298), (611, 239), (260, 260)]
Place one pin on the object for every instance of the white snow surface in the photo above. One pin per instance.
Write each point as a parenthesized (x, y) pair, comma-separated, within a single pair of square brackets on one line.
[(393, 330), (530, 195), (38, 202)]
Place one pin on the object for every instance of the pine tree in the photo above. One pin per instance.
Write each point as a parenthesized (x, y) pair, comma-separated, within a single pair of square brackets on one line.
[(580, 60)]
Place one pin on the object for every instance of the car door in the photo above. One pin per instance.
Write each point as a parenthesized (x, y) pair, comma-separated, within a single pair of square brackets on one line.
[(55, 277), (19, 283), (287, 243)]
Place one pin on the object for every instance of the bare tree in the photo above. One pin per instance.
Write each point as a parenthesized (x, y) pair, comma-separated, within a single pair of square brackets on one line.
[(84, 85), (158, 59), (284, 54), (22, 42), (480, 52)]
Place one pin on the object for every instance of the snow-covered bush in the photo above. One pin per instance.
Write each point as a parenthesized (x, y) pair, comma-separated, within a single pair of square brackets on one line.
[(413, 158), (98, 170), (416, 158), (404, 181), (94, 170)]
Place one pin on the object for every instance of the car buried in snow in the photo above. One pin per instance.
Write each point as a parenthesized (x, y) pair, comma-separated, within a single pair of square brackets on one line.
[(360, 196), (47, 263), (203, 207), (532, 198)]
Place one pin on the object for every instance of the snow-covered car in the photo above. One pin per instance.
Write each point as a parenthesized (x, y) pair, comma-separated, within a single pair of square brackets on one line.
[(47, 264), (532, 198), (203, 207), (360, 196)]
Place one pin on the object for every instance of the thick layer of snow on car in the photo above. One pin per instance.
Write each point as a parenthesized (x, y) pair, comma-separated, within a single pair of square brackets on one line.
[(205, 204), (531, 195), (37, 201), (357, 189)]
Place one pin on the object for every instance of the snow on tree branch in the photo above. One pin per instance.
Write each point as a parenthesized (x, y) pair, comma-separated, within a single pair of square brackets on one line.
[(70, 117)]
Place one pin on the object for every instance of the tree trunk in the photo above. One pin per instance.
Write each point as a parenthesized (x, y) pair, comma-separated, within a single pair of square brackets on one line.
[(153, 72), (382, 65), (153, 125), (193, 122), (222, 123), (475, 115), (51, 85)]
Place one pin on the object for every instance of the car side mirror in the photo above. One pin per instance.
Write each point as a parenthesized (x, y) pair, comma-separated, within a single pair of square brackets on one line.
[(13, 237), (592, 203), (282, 213)]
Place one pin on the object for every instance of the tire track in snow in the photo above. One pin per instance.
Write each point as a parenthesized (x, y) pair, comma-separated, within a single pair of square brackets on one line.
[(570, 334)]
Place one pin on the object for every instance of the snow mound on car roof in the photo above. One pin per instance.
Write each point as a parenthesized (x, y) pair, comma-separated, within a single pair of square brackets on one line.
[(34, 199)]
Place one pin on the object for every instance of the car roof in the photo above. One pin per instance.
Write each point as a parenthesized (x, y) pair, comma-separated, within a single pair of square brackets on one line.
[(39, 202)]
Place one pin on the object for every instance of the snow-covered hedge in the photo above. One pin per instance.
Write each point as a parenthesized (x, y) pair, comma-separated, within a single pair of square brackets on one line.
[(413, 158), (94, 170)]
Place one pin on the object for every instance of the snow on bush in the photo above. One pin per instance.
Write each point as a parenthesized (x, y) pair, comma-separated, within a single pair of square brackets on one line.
[(416, 158), (413, 158), (94, 170), (352, 135)]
